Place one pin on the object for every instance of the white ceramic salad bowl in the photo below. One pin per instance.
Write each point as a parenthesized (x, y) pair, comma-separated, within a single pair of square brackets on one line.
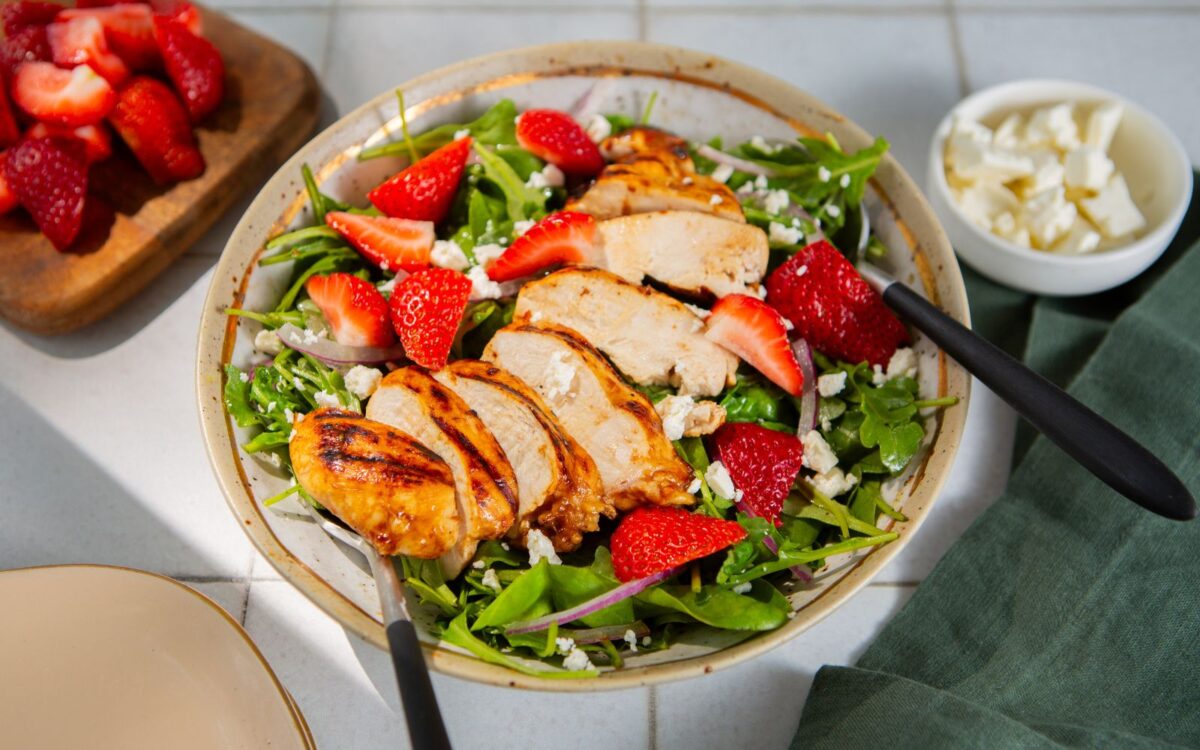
[(699, 96)]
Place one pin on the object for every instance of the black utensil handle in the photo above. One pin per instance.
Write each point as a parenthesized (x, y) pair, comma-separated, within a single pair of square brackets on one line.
[(426, 731), (1117, 459)]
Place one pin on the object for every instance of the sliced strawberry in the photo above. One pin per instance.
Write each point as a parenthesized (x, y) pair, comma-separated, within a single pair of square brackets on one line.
[(129, 29), (80, 41), (63, 97), (749, 328), (427, 308), (832, 308), (8, 199), (181, 11), (563, 237), (653, 539), (19, 16), (762, 463), (51, 183), (95, 139), (193, 64), (152, 122), (426, 189), (10, 132), (391, 244), (555, 137), (354, 309), (27, 45)]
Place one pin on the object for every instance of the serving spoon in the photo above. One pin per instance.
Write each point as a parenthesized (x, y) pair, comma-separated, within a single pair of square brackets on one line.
[(1099, 446), (421, 712)]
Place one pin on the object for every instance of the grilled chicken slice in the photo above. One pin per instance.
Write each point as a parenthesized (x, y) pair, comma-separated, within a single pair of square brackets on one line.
[(615, 424), (641, 142), (486, 488), (697, 254), (396, 493), (651, 337), (656, 184), (560, 492)]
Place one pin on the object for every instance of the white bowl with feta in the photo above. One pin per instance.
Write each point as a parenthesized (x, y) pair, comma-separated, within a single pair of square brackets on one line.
[(1057, 187)]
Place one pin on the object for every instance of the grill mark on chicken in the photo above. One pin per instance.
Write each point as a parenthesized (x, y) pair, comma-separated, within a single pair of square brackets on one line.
[(338, 451), (468, 447)]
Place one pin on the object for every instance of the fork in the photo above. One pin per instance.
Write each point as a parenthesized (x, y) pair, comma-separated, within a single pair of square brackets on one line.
[(421, 712)]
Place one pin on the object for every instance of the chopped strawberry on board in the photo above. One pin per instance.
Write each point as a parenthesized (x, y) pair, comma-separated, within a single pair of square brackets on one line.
[(27, 45), (652, 539), (81, 41), (355, 310), (754, 331), (562, 237), (152, 122), (181, 11), (10, 131), (95, 139), (193, 64), (427, 308), (19, 16), (833, 308), (763, 464), (129, 29), (51, 183), (426, 189), (64, 97), (555, 137), (391, 244), (8, 199)]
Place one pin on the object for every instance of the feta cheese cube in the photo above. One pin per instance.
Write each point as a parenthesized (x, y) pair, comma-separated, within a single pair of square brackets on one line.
[(447, 254), (1113, 210), (776, 201), (818, 456), (326, 399), (965, 133), (1048, 216), (599, 128), (1004, 224), (540, 548), (902, 364), (1008, 133), (577, 661), (778, 234), (550, 176), (984, 201), (485, 254), (1053, 126), (1102, 125), (833, 482), (1048, 173), (977, 161), (1081, 239), (268, 342), (363, 381), (1087, 167), (481, 286), (719, 480), (491, 580), (674, 411), (831, 384)]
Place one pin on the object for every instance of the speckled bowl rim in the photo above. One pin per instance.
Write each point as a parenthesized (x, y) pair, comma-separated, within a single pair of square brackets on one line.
[(931, 251)]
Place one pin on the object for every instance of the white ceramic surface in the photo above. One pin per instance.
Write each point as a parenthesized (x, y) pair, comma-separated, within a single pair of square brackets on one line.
[(1145, 151)]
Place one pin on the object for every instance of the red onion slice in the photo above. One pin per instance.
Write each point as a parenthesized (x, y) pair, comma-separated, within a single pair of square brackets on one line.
[(333, 353), (607, 599), (808, 396), (741, 165), (589, 104)]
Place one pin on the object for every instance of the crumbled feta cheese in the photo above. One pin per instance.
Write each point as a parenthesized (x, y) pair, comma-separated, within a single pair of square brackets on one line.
[(1048, 216), (818, 456), (719, 480), (674, 411), (271, 407), (599, 128), (722, 173), (779, 234), (832, 211), (833, 482), (560, 375), (630, 639), (1102, 125), (362, 381), (694, 487), (715, 200), (743, 588), (760, 182), (243, 377), (481, 286), (977, 161), (776, 201), (1006, 135), (844, 181), (326, 399), (746, 188), (1087, 167), (1053, 126), (1005, 224), (902, 364), (521, 227), (491, 580), (686, 181), (646, 641), (448, 254), (460, 134), (984, 201), (1081, 239), (485, 254), (268, 342), (540, 548), (1113, 210), (577, 661), (699, 311), (564, 645), (288, 415), (292, 435), (1048, 173), (877, 375), (550, 176), (479, 565), (761, 144), (831, 384), (823, 174), (788, 325)]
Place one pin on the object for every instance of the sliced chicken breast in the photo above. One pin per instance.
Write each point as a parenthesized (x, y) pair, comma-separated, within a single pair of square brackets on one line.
[(396, 493), (641, 142), (693, 253), (656, 184), (651, 337), (615, 424), (410, 399), (560, 492)]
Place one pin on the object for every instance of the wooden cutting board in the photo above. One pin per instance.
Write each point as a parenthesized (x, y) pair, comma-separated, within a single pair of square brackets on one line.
[(271, 108)]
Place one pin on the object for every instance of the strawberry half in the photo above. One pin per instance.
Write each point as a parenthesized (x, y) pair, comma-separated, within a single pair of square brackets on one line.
[(193, 64), (50, 182), (96, 142), (762, 463), (129, 30), (555, 137), (27, 45), (8, 199), (63, 97), (425, 190), (80, 41), (653, 539), (563, 237), (18, 16), (391, 244), (152, 122), (751, 329), (355, 310), (833, 308), (427, 308), (10, 132)]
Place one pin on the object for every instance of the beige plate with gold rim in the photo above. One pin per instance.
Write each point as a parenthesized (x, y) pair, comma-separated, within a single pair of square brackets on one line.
[(102, 657), (699, 96)]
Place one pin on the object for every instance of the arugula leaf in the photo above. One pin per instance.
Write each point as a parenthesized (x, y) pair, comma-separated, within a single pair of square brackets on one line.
[(691, 449), (459, 634), (237, 397), (763, 608), (526, 598), (522, 202), (574, 585), (755, 399), (494, 127)]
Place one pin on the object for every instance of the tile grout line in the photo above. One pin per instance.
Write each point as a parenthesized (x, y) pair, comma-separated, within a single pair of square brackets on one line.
[(956, 48), (652, 717), (331, 17), (643, 17)]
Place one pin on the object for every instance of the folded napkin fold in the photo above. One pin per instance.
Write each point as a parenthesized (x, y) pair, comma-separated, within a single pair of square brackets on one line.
[(1066, 615)]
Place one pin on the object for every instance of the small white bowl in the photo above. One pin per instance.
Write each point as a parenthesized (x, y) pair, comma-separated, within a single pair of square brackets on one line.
[(1153, 161)]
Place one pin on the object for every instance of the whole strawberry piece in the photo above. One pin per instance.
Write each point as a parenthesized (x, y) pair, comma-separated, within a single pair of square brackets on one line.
[(391, 244), (833, 308), (355, 310), (424, 190), (193, 64), (51, 183), (749, 328), (18, 16), (563, 237), (152, 122), (554, 137), (427, 308), (762, 463), (653, 539)]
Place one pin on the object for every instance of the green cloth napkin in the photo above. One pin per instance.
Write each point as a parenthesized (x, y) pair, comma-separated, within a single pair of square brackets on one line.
[(1065, 616)]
